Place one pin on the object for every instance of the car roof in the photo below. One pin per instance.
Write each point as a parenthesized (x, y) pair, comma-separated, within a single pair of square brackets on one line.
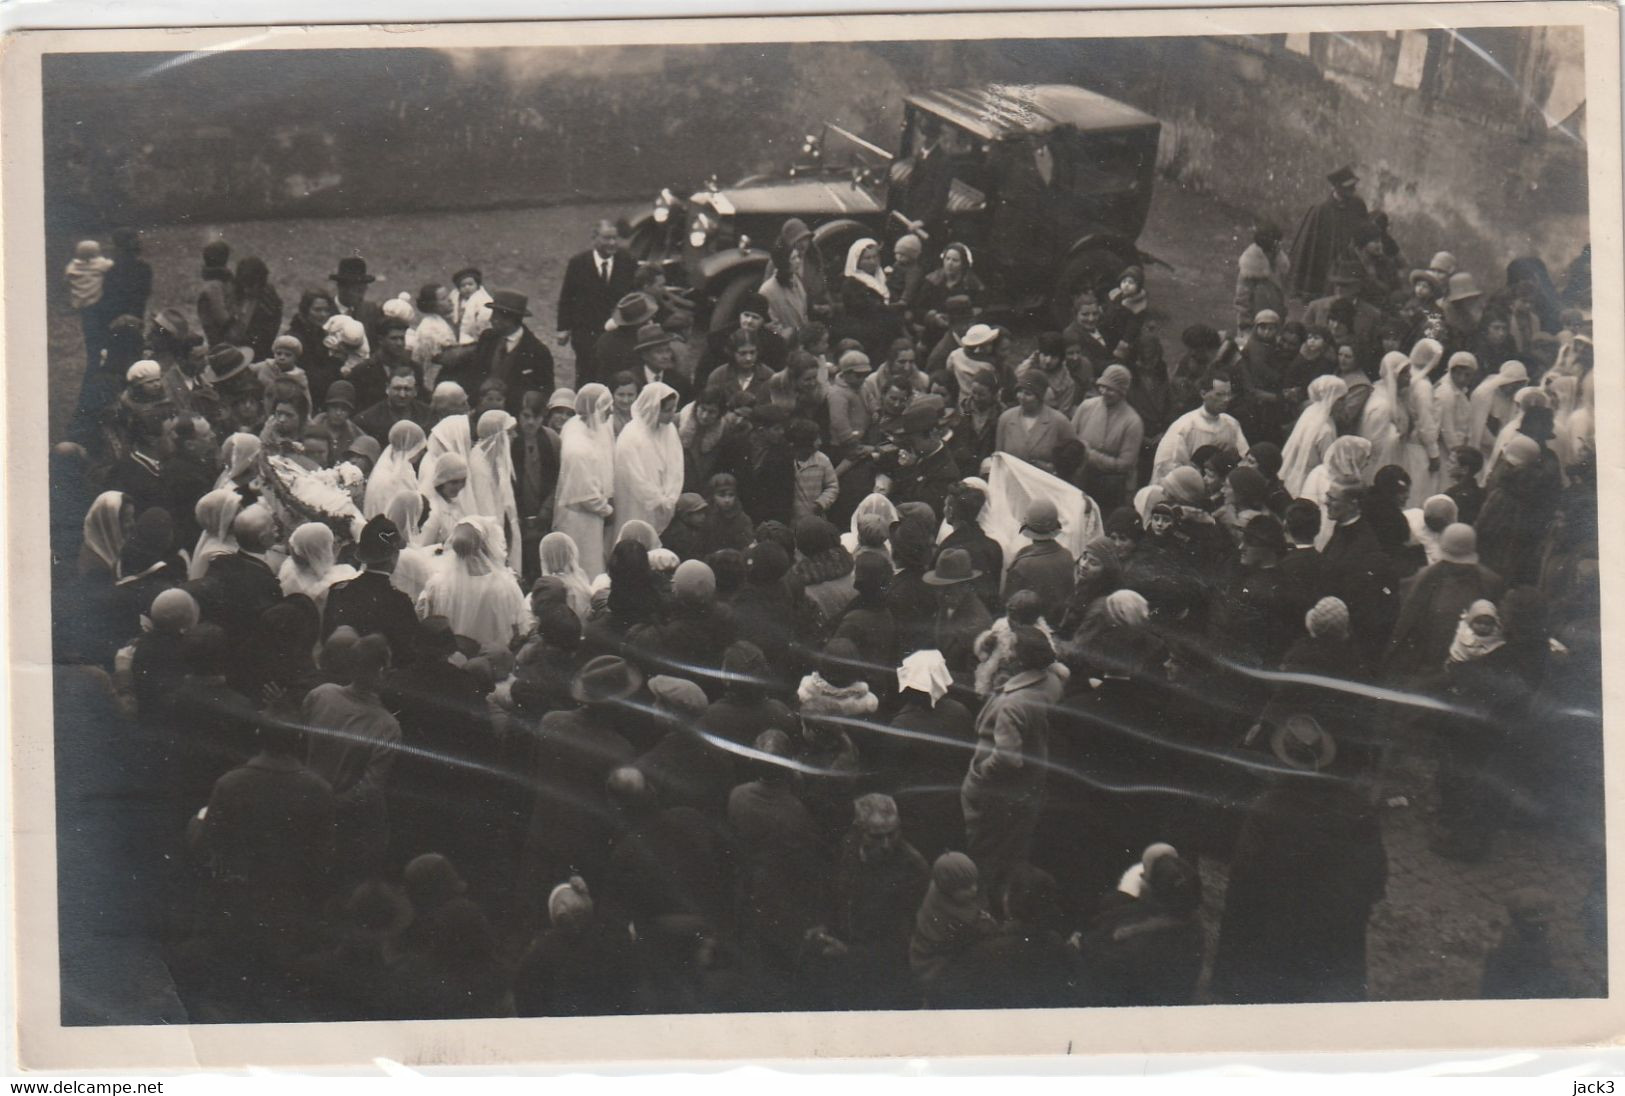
[(996, 111)]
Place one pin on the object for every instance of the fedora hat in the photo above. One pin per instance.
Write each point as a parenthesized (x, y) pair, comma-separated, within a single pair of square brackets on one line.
[(506, 300), (606, 677), (633, 310), (1343, 175), (1042, 521), (1462, 287), (651, 335), (953, 567), (352, 271), (980, 334), (1301, 742), (225, 362)]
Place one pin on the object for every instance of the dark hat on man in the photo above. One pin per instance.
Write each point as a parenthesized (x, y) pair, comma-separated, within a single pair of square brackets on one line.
[(953, 567), (379, 540), (1042, 520), (605, 678), (506, 300), (1264, 530), (769, 414), (959, 306), (651, 335), (1301, 742), (1199, 336), (921, 417), (352, 271), (1343, 175), (225, 362), (1348, 272), (754, 303), (633, 310), (173, 323), (340, 392)]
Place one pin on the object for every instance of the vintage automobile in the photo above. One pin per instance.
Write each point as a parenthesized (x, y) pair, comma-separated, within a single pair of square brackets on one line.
[(1038, 241)]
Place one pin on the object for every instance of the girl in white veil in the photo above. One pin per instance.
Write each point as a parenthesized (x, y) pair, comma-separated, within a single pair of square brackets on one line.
[(1312, 434), (312, 567), (416, 562), (649, 460), (445, 492), (237, 458), (490, 479), (394, 472), (1522, 401), (450, 435), (215, 512), (474, 589), (587, 477), (560, 558), (1387, 419)]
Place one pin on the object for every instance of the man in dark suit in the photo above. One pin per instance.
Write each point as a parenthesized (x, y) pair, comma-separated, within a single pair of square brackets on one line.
[(244, 584), (508, 351), (926, 198), (1359, 572), (400, 402), (593, 281), (616, 350), (659, 363), (369, 602), (351, 280)]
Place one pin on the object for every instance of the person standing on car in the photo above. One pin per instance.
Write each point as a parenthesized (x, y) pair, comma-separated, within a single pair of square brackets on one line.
[(594, 280), (925, 195)]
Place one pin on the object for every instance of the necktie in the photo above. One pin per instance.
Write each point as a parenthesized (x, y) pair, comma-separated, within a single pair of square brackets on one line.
[(603, 270)]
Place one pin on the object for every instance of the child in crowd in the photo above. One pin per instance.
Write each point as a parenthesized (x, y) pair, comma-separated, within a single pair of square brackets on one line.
[(1461, 472), (471, 309), (995, 649), (86, 272)]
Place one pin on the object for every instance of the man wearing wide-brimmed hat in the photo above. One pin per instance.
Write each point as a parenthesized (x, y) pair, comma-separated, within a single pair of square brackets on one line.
[(1326, 234), (508, 351), (659, 363), (961, 616), (923, 470), (1044, 566), (594, 280), (1346, 280), (616, 349), (351, 280)]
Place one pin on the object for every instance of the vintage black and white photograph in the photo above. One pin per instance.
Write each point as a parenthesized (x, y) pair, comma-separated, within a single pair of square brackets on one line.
[(819, 524)]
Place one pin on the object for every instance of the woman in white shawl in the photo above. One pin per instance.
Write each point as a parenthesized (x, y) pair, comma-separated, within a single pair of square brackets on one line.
[(587, 477), (649, 460), (447, 506), (864, 268), (490, 479), (1387, 418), (1312, 434), (238, 458), (215, 512), (1563, 392), (416, 562), (1522, 401), (107, 524), (312, 566), (474, 589), (875, 505), (561, 559), (1346, 460), (1492, 404), (394, 472), (1420, 448)]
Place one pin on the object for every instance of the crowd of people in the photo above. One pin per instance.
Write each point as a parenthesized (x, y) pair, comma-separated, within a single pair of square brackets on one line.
[(701, 684)]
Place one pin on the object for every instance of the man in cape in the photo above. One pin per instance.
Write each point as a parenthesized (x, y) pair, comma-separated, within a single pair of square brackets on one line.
[(1326, 234)]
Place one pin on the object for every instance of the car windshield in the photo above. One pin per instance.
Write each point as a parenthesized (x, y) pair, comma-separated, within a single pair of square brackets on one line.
[(844, 150)]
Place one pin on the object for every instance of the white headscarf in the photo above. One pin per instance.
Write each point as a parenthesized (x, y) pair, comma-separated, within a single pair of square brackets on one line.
[(215, 512), (475, 591), (394, 472), (490, 478), (926, 672), (237, 456), (1387, 419), (312, 567), (1522, 401), (1564, 391), (415, 563), (104, 529), (1483, 402), (875, 282), (587, 449), (560, 557), (648, 462), (450, 435), (345, 334), (876, 505), (1312, 433)]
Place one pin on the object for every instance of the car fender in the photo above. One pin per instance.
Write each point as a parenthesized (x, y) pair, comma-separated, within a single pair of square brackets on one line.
[(841, 226), (720, 267), (1118, 245)]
